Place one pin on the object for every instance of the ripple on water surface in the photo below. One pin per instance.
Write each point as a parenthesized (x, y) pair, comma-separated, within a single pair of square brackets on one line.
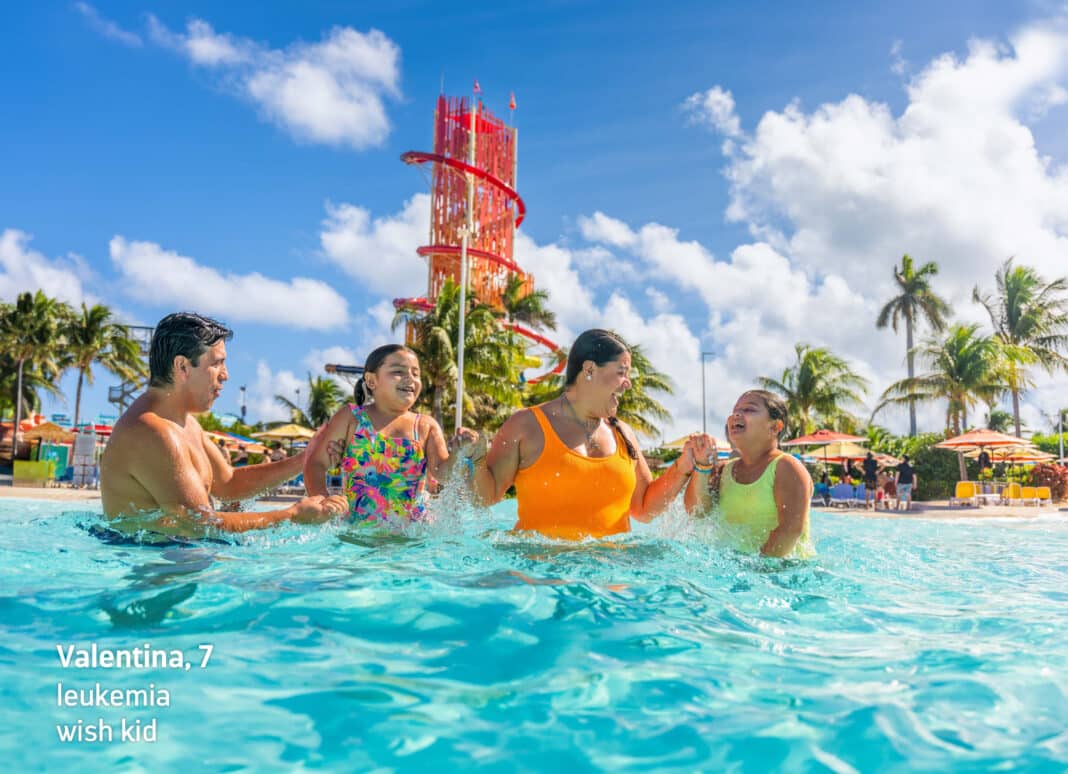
[(909, 645)]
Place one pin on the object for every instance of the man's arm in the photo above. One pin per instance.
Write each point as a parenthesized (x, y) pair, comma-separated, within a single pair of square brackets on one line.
[(166, 472)]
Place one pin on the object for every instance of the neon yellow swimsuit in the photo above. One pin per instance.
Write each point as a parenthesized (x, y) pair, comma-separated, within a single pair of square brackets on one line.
[(750, 513)]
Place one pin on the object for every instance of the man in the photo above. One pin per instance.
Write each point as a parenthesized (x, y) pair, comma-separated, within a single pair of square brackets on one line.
[(159, 458), (871, 479), (906, 481)]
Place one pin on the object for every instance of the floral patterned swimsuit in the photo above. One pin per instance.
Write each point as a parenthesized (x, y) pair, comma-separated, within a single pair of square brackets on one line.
[(384, 477)]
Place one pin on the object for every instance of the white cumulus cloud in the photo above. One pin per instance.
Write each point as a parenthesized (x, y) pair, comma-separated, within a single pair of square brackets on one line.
[(331, 92), (107, 27), (168, 278), (23, 269), (379, 252)]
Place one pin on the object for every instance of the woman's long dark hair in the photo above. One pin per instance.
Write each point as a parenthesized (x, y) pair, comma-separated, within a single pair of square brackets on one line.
[(601, 347), (360, 393)]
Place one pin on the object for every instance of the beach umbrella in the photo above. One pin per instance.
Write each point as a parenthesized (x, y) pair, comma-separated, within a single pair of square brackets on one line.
[(981, 439), (723, 447), (822, 438), (288, 432), (51, 432), (826, 437), (1015, 454)]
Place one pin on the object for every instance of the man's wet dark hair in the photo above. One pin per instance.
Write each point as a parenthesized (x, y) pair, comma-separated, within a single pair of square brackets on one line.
[(360, 393), (775, 405), (601, 347), (181, 333)]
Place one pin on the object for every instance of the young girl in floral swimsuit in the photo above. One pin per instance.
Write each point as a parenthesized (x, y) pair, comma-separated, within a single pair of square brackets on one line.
[(388, 449)]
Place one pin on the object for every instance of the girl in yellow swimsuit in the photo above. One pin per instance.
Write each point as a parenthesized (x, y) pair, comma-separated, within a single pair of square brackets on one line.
[(764, 494)]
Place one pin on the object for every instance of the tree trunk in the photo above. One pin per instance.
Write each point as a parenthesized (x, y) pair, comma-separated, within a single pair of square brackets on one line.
[(438, 412), (910, 359), (1016, 410), (963, 470), (78, 398), (18, 416)]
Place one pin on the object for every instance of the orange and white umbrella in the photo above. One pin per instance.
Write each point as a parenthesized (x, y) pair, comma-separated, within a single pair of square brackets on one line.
[(980, 439)]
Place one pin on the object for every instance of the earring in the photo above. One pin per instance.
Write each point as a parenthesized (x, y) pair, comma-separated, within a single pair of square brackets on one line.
[(589, 377)]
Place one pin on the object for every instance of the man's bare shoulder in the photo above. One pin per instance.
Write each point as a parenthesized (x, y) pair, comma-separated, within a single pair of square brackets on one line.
[(143, 432)]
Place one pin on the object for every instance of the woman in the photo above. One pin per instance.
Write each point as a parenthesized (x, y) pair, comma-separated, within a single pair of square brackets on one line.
[(576, 468), (764, 494), (387, 450)]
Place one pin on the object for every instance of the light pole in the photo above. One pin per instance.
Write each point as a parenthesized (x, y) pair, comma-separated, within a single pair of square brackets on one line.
[(242, 389), (1060, 431), (704, 413)]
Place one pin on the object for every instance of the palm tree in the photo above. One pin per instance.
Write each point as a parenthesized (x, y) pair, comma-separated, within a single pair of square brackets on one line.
[(529, 309), (30, 334), (816, 388), (965, 369), (324, 399), (998, 420), (491, 358), (637, 407), (1030, 319), (916, 299), (93, 337)]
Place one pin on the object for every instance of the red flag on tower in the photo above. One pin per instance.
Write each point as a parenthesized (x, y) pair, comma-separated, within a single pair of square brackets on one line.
[(511, 100), (478, 89)]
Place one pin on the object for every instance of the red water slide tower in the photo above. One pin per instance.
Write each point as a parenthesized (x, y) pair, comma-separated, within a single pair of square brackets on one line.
[(473, 190)]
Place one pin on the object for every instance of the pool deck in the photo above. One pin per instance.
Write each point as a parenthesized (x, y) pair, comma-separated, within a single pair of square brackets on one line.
[(935, 509)]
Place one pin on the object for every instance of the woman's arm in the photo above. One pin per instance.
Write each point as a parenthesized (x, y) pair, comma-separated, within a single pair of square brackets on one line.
[(317, 456), (496, 473), (793, 494), (651, 497)]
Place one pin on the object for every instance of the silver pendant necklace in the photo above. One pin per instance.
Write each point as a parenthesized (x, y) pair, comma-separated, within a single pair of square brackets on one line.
[(591, 444)]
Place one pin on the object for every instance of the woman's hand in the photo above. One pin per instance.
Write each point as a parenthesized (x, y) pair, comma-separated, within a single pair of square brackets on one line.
[(699, 450), (468, 444), (703, 449)]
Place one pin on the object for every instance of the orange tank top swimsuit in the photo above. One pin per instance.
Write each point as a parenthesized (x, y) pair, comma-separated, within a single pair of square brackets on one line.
[(567, 495)]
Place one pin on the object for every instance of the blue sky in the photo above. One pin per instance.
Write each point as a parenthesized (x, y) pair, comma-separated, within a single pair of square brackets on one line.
[(730, 177)]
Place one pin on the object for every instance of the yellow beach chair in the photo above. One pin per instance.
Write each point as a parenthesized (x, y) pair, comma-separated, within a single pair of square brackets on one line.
[(965, 494), (1012, 494), (1044, 495), (1029, 495)]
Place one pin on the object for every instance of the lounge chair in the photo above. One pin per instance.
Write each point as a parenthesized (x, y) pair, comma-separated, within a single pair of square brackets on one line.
[(1012, 494), (1044, 495), (1029, 495), (294, 486), (965, 494), (844, 495), (821, 494)]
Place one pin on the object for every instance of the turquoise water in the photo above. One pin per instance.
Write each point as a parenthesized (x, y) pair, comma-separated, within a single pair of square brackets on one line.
[(905, 646)]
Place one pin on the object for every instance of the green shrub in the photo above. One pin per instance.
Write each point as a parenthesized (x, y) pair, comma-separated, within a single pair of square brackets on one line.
[(938, 472)]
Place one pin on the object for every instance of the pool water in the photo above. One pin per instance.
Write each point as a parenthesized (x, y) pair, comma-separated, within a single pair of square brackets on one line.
[(915, 645)]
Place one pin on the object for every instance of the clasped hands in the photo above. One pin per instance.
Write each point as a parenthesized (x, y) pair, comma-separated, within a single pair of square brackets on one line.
[(468, 444), (699, 451)]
